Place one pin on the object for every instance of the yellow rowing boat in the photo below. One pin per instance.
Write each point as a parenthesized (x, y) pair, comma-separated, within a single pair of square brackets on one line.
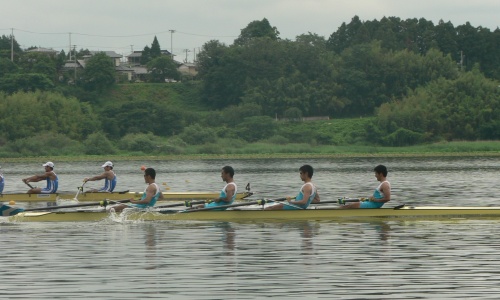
[(316, 212), (84, 197)]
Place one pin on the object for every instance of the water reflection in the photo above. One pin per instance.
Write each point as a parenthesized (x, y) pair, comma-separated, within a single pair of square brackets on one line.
[(228, 237), (151, 242)]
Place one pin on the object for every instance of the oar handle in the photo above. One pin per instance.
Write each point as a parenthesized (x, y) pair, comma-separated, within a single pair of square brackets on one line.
[(259, 202), (30, 186), (187, 203), (345, 200)]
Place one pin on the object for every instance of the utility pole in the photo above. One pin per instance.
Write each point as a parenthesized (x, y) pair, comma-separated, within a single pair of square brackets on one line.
[(76, 62), (194, 55), (69, 46), (171, 43), (12, 45), (186, 50)]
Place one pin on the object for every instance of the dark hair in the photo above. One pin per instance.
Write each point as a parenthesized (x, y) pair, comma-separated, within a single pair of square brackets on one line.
[(151, 172), (307, 169), (228, 169), (381, 169)]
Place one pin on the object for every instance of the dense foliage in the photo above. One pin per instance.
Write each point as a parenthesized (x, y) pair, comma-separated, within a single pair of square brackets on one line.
[(401, 82)]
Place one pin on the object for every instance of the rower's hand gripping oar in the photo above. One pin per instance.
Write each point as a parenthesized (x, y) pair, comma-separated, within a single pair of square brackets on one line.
[(6, 210), (256, 202), (80, 189), (30, 186)]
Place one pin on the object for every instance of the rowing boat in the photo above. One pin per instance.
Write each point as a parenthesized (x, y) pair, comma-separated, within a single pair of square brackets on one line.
[(24, 197), (315, 212)]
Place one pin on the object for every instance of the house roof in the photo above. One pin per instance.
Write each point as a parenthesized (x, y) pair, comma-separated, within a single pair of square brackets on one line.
[(139, 53), (111, 54), (41, 49)]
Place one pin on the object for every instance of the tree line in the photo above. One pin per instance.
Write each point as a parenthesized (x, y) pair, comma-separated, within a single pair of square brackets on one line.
[(419, 81)]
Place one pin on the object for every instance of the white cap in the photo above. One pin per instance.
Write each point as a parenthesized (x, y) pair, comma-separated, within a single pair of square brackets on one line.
[(107, 164), (48, 164)]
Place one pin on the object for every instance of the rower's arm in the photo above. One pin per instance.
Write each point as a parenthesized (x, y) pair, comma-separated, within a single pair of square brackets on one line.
[(36, 178), (307, 193), (150, 193), (95, 178)]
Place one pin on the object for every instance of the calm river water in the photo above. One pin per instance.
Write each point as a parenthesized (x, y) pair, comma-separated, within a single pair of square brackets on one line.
[(393, 259)]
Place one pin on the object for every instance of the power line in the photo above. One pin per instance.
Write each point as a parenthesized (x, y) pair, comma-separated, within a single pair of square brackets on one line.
[(120, 36)]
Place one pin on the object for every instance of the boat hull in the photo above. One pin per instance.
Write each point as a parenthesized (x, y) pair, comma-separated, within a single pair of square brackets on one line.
[(316, 213), (84, 197)]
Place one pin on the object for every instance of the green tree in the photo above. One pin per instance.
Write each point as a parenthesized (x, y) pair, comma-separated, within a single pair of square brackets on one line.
[(257, 29), (256, 128), (14, 82), (145, 56), (161, 68), (99, 73), (97, 143), (35, 62), (155, 49), (6, 46), (26, 114), (7, 67)]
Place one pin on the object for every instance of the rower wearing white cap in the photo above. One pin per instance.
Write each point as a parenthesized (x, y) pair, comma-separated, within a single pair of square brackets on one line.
[(49, 175), (108, 175)]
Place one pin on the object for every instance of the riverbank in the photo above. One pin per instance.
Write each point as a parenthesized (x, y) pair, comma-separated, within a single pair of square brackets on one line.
[(261, 150)]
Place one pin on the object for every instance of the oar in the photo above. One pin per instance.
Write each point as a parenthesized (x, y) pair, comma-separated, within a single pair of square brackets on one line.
[(31, 187), (80, 188), (259, 202), (346, 200), (6, 210), (187, 203)]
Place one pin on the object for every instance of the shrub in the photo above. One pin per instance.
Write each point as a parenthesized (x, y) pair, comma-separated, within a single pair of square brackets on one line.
[(45, 144), (197, 135), (144, 142), (98, 144), (277, 139)]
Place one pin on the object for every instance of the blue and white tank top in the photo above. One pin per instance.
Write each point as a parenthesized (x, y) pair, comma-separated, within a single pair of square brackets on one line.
[(52, 185), (378, 194), (109, 185), (300, 196)]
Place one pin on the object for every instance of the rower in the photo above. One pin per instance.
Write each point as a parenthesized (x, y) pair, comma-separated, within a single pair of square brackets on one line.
[(151, 194), (49, 175), (308, 193), (2, 181), (109, 177), (381, 195), (228, 193)]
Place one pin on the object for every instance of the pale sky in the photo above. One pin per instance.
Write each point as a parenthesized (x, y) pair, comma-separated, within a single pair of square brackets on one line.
[(115, 25)]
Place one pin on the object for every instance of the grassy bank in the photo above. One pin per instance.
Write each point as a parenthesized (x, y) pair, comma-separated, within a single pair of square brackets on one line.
[(262, 150)]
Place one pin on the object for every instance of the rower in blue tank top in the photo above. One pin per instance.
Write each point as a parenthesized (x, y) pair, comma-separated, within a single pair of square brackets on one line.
[(381, 195), (109, 177), (2, 181), (49, 176), (308, 193), (151, 194), (228, 192)]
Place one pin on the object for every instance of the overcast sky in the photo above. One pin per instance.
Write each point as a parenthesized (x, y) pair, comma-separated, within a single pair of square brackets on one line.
[(121, 25)]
